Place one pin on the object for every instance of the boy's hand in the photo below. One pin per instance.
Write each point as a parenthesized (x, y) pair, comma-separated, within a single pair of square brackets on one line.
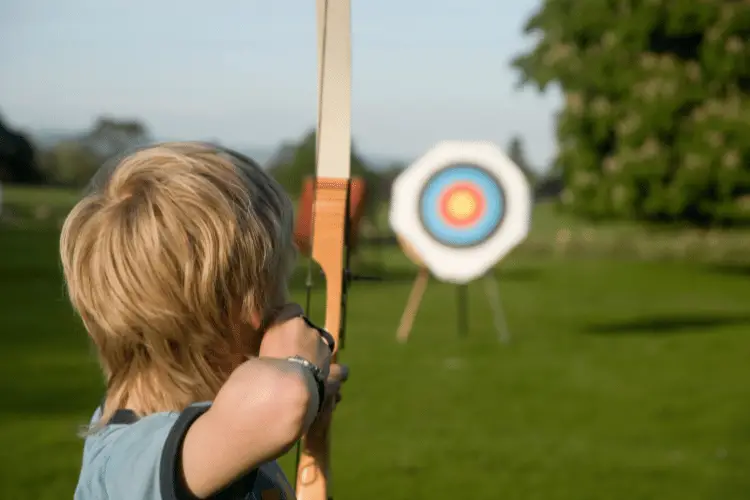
[(339, 374), (294, 337)]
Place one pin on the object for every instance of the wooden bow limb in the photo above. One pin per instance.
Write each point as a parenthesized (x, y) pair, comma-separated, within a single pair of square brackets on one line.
[(332, 184)]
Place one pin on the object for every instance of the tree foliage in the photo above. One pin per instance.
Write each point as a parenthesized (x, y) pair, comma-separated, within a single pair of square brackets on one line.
[(69, 163), (294, 162), (74, 161), (110, 137), (18, 161), (656, 120), (517, 153)]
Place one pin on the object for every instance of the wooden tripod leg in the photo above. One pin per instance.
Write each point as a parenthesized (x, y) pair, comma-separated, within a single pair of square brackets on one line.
[(493, 297), (412, 305)]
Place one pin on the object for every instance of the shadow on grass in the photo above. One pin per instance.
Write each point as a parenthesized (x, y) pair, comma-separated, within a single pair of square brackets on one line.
[(659, 325), (730, 269)]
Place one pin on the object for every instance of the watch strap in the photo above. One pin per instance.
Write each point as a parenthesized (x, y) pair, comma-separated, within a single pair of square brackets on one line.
[(317, 374)]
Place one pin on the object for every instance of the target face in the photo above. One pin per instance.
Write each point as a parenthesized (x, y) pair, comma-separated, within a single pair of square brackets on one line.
[(461, 208)]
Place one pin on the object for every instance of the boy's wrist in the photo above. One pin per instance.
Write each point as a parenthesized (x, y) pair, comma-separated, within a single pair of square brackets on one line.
[(316, 373), (289, 366)]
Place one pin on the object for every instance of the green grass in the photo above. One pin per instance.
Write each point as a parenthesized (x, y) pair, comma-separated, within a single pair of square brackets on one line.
[(35, 195), (38, 203), (625, 380)]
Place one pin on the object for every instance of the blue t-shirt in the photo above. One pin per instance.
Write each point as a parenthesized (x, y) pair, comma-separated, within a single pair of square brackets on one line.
[(139, 459)]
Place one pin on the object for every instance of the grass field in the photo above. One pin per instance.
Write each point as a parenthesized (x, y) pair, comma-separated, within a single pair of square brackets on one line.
[(625, 380)]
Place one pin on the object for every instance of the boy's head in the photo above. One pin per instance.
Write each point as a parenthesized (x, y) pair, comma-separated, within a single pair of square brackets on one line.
[(173, 259)]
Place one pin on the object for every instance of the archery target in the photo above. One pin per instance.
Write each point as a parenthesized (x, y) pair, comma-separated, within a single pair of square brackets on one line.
[(461, 208), (462, 205)]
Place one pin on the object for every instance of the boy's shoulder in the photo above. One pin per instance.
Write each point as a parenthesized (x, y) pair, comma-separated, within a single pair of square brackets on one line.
[(138, 458)]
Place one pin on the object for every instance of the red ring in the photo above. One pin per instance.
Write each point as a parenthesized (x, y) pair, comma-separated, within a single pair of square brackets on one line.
[(445, 196)]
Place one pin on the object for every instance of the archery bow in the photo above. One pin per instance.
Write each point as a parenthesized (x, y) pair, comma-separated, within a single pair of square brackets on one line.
[(330, 210)]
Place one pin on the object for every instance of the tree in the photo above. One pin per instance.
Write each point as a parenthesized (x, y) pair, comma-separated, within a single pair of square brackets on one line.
[(17, 158), (70, 163), (74, 161), (294, 162), (283, 156), (387, 177), (110, 137), (517, 153), (656, 120)]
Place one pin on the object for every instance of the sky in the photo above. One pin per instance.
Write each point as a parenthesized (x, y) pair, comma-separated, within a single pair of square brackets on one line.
[(244, 72)]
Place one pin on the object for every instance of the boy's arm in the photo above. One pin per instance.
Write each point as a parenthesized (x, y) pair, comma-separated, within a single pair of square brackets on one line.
[(257, 416)]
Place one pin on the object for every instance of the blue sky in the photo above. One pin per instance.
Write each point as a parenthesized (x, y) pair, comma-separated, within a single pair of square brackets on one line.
[(243, 72)]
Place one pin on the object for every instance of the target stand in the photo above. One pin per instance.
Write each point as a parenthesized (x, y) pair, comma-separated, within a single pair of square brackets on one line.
[(457, 211), (419, 287)]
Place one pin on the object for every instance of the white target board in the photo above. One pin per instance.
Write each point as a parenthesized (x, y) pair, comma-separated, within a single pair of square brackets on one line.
[(462, 207)]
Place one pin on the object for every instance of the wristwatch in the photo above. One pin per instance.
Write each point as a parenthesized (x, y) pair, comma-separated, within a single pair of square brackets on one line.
[(317, 374)]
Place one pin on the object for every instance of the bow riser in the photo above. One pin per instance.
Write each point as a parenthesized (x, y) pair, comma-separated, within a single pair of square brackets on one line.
[(314, 472)]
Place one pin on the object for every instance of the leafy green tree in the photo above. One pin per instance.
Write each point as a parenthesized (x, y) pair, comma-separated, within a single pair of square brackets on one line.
[(296, 162), (74, 161), (656, 120), (69, 163), (110, 137), (517, 153), (18, 161)]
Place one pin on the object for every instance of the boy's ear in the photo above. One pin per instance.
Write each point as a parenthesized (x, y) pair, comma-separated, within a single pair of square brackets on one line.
[(255, 320)]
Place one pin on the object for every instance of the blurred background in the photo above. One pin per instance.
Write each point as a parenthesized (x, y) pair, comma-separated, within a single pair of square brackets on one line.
[(628, 302)]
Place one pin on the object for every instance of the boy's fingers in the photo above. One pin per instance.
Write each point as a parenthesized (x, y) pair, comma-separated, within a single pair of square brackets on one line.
[(332, 388), (339, 373), (333, 397)]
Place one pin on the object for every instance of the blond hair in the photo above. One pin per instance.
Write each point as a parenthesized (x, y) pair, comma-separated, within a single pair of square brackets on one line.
[(169, 249)]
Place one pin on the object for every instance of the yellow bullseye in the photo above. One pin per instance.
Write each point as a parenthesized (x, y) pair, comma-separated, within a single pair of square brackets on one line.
[(462, 204)]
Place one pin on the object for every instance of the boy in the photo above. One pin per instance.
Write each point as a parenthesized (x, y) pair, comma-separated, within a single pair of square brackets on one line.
[(177, 261)]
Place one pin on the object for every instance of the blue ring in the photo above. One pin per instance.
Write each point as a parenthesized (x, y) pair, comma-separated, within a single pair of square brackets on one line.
[(481, 230)]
